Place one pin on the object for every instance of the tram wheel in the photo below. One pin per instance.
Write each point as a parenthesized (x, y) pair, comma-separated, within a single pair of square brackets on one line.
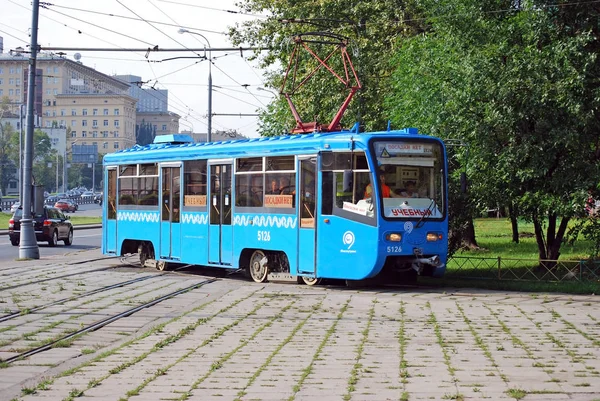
[(258, 266), (311, 280), (143, 253), (162, 265)]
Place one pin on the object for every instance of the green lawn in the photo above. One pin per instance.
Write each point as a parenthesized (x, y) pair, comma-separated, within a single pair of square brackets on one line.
[(76, 220), (494, 236)]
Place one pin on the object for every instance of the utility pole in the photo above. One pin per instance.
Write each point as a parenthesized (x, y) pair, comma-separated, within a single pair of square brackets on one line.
[(28, 248), (21, 154)]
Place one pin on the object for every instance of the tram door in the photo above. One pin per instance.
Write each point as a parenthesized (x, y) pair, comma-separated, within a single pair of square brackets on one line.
[(307, 205), (170, 230), (220, 234), (109, 204)]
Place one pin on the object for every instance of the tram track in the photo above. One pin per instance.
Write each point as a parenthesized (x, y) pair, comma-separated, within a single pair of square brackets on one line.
[(14, 315), (106, 321), (122, 259)]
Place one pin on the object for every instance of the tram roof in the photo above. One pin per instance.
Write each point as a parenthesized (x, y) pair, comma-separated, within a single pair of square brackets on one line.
[(178, 147)]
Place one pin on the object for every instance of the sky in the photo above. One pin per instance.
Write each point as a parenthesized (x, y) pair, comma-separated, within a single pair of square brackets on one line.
[(82, 24)]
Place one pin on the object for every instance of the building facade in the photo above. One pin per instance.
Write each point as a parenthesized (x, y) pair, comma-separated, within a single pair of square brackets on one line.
[(149, 101), (107, 121), (94, 107), (163, 123)]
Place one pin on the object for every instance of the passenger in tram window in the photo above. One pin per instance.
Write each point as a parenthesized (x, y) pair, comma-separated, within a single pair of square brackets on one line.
[(284, 186), (274, 188), (410, 191)]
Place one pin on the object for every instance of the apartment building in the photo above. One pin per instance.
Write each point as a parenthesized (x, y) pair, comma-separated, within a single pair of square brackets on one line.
[(164, 123), (95, 107), (107, 121)]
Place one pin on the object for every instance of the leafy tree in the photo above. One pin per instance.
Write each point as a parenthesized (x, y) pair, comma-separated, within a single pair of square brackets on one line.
[(372, 28), (516, 84), (144, 133), (7, 169)]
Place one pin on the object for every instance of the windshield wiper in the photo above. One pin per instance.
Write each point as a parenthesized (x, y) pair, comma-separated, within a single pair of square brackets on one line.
[(427, 212)]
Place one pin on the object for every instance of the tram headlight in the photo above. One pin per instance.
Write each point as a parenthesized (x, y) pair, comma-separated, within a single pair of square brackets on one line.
[(394, 237), (432, 237)]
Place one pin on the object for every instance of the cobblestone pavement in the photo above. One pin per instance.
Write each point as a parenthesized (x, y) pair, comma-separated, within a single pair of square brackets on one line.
[(237, 340)]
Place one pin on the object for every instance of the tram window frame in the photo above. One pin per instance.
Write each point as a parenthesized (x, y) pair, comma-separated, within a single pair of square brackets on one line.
[(133, 179), (272, 168), (193, 189), (249, 165), (335, 165)]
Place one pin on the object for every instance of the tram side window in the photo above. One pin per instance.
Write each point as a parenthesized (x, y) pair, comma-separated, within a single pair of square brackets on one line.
[(327, 193), (345, 177), (148, 191), (249, 164), (249, 190), (128, 170), (128, 190), (112, 194), (195, 182)]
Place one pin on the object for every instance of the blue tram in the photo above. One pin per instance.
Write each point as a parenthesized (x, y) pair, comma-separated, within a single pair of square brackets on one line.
[(337, 205)]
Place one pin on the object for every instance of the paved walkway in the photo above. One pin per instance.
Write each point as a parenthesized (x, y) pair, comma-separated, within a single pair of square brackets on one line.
[(237, 340)]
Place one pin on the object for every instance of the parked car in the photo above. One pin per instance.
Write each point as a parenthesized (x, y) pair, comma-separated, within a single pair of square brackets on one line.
[(50, 225), (15, 206), (98, 198), (66, 205), (87, 195)]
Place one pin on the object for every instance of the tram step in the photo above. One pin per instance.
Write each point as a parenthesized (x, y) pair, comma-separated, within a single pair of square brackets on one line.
[(282, 277)]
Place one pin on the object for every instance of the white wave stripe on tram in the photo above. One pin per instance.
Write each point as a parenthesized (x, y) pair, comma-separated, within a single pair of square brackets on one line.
[(138, 217), (265, 221), (194, 218)]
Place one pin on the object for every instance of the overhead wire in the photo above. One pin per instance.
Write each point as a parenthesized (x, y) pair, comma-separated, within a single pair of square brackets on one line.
[(101, 27), (134, 19), (65, 25), (11, 35), (213, 9)]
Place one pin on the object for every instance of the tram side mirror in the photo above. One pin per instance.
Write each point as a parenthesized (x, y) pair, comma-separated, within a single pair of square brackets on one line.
[(463, 183)]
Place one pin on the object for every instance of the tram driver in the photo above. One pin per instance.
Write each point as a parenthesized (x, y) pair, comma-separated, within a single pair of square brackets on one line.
[(387, 192)]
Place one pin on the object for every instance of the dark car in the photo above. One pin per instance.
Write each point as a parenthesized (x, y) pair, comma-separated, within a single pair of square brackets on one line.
[(51, 225), (66, 205)]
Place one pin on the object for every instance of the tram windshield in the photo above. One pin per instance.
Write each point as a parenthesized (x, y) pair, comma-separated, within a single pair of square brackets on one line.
[(411, 179)]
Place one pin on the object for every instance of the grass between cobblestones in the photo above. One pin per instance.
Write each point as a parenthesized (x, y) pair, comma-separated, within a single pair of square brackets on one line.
[(441, 342), (308, 370), (402, 340), (359, 352), (30, 336), (95, 382), (268, 361), (218, 364)]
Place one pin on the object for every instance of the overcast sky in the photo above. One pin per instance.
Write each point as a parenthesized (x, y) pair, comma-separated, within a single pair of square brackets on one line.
[(81, 24)]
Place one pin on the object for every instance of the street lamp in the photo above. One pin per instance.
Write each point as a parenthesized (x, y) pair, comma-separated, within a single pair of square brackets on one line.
[(260, 88), (182, 30)]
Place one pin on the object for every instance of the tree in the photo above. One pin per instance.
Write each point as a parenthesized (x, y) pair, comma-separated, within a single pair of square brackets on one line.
[(144, 133), (7, 168), (372, 29), (518, 85)]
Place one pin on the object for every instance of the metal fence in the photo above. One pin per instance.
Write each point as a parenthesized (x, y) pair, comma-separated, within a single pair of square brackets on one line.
[(7, 203), (509, 269)]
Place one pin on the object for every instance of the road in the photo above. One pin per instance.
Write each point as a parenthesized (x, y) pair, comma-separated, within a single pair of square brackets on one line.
[(82, 239), (226, 338)]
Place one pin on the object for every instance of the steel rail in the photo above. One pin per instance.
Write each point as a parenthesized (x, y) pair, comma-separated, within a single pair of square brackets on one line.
[(104, 322), (86, 294)]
